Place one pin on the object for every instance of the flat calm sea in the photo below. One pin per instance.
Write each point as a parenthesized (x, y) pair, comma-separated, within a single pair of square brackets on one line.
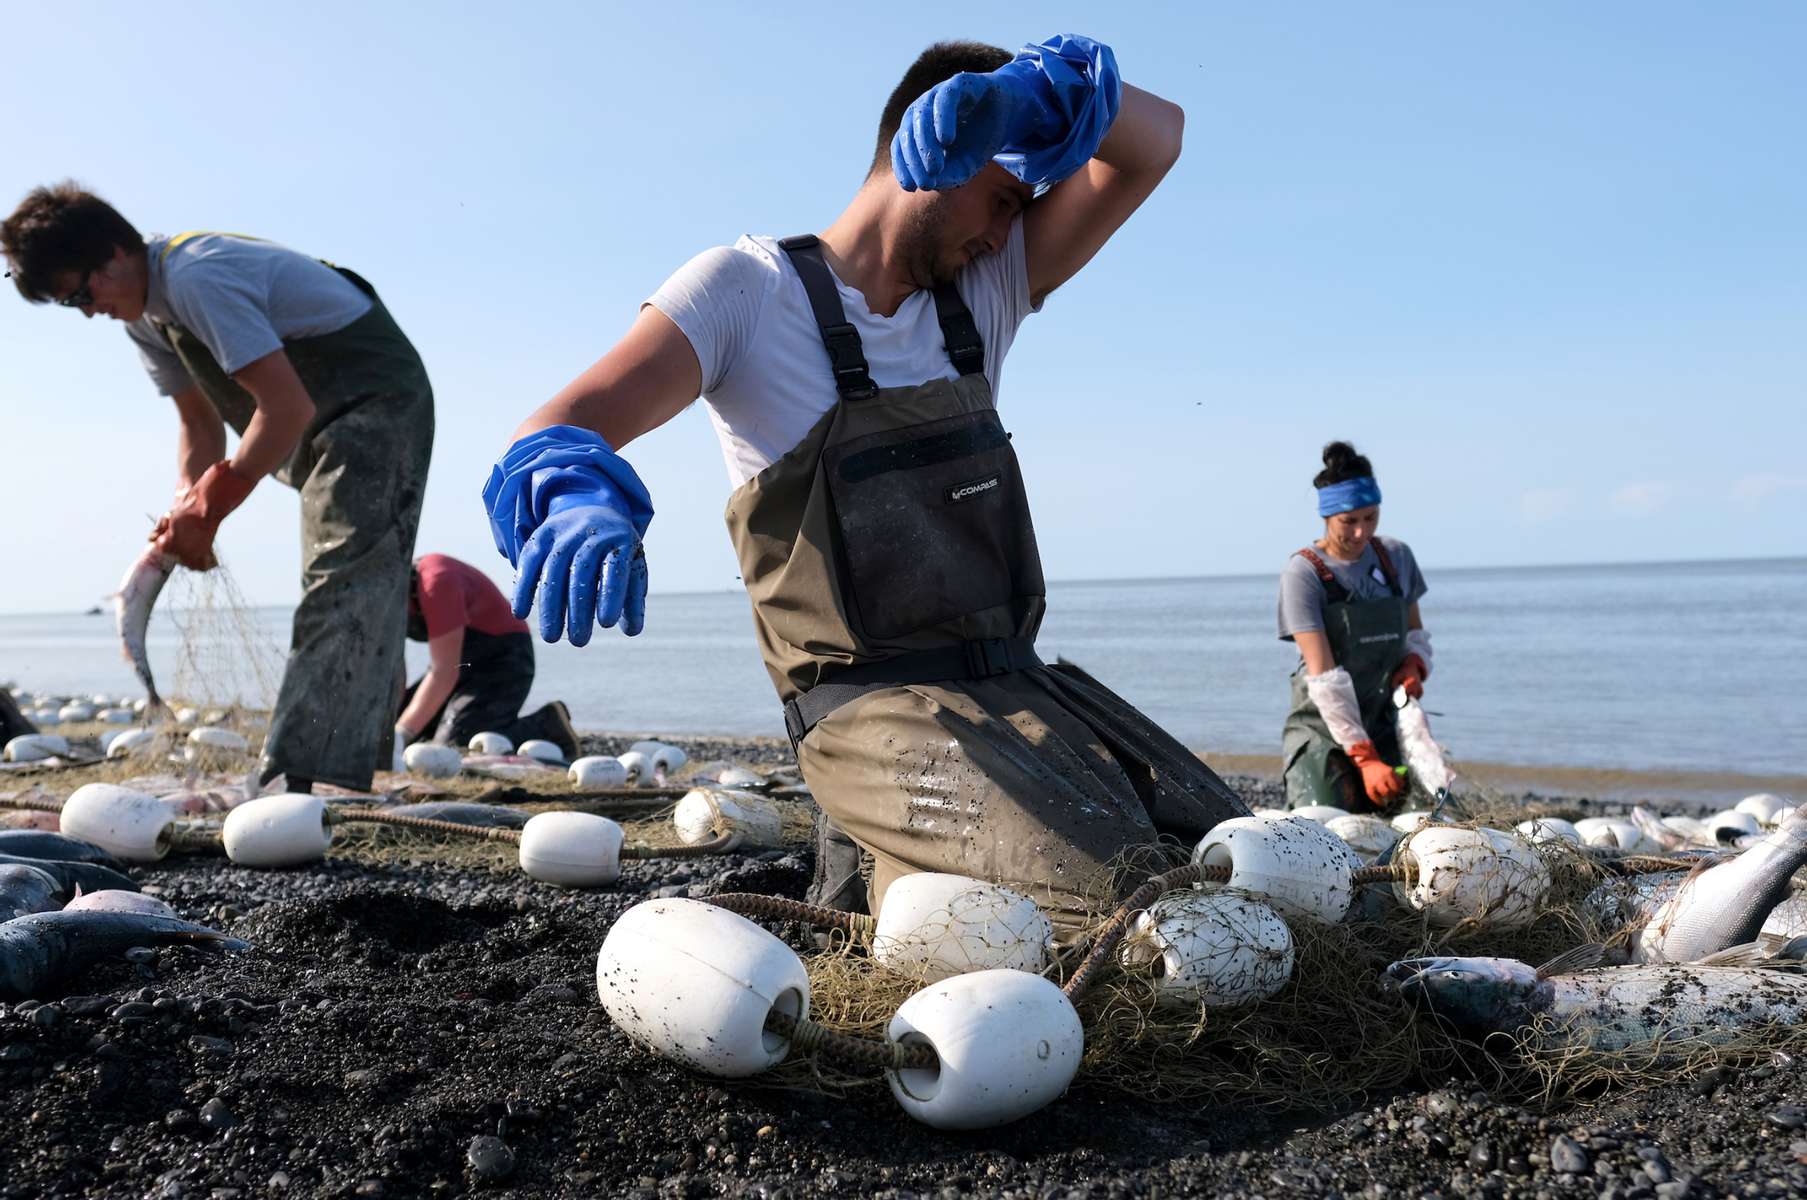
[(1666, 667)]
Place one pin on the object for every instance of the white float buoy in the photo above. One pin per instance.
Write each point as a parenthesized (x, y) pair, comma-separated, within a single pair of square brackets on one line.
[(129, 741), (544, 751), (1321, 813), (71, 714), (934, 925), (1472, 874), (101, 700), (695, 983), (277, 831), (45, 716), (115, 716), (490, 742), (1008, 1044), (126, 824), (664, 757), (571, 849), (639, 768), (433, 760), (1409, 822), (1731, 825), (186, 717), (1614, 833), (35, 747), (1300, 867), (1692, 828), (1216, 949), (1370, 837), (1764, 806), (140, 704), (739, 777), (1278, 814), (596, 773), (211, 737), (1549, 829), (704, 813)]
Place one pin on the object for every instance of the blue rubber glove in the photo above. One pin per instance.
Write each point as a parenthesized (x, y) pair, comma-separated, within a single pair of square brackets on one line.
[(570, 513), (1041, 116)]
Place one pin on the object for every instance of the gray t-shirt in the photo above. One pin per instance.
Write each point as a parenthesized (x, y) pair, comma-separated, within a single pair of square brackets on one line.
[(1302, 596), (241, 297)]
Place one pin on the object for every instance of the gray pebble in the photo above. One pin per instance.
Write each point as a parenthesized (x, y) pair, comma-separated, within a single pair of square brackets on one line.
[(216, 1116), (490, 1158), (1788, 1117), (1567, 1156)]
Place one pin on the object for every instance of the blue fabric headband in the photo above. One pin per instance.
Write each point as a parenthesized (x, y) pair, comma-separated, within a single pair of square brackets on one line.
[(1348, 496)]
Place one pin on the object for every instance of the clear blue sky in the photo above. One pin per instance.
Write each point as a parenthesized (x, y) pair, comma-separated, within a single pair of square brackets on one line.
[(1544, 262)]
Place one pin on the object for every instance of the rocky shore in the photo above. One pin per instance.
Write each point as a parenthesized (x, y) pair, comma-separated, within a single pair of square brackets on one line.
[(420, 1029)]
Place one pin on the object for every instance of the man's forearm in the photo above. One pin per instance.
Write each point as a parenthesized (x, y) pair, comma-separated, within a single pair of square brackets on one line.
[(200, 436), (1146, 136), (434, 690)]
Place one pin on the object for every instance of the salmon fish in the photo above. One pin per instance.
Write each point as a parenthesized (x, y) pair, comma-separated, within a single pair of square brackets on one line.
[(1423, 756), (40, 951), (132, 605)]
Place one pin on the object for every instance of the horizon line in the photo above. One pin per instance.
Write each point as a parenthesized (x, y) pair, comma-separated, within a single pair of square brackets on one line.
[(1129, 579)]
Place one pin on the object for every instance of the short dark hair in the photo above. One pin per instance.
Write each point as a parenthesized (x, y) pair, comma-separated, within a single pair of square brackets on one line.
[(939, 62), (61, 228), (1341, 462)]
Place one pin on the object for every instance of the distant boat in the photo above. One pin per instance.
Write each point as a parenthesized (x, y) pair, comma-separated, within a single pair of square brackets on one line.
[(93, 612)]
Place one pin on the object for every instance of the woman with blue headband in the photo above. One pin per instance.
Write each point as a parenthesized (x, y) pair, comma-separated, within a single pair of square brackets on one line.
[(1349, 602)]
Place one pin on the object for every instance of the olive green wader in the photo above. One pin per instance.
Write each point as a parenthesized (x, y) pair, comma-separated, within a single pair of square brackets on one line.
[(1367, 639), (361, 469), (896, 596)]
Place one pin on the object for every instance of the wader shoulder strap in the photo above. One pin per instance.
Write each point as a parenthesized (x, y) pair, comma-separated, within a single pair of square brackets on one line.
[(978, 659), (958, 329), (1333, 587), (1386, 567), (846, 358)]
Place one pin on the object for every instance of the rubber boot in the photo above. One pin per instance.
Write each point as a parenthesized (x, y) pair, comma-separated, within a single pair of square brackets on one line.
[(838, 882), (552, 722), (12, 722)]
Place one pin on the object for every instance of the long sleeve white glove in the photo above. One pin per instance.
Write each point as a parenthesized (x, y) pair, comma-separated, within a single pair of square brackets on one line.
[(1418, 641), (1334, 694)]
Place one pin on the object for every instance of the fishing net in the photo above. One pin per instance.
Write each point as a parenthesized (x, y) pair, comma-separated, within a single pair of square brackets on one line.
[(228, 654)]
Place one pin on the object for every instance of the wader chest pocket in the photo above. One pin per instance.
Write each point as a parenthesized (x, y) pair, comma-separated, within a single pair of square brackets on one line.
[(934, 524)]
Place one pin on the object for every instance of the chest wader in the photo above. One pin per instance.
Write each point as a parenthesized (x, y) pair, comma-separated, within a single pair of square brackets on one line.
[(495, 673), (361, 469), (1367, 639), (896, 595)]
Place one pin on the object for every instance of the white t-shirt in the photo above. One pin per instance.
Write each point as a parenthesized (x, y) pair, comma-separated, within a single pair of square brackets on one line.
[(765, 371)]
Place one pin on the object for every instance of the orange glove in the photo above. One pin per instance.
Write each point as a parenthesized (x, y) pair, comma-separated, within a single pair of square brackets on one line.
[(1411, 675), (187, 530), (1379, 779)]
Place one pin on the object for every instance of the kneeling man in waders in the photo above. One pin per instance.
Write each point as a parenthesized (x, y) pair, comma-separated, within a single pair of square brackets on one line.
[(878, 512), (325, 392)]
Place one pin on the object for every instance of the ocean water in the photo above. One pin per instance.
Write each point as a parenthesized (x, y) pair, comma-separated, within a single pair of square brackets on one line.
[(1642, 667)]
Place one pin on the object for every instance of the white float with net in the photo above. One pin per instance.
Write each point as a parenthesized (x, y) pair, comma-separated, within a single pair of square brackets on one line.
[(433, 760), (490, 742), (933, 925), (1321, 813), (72, 714), (1216, 949), (1613, 833), (1767, 807), (1370, 837), (540, 750), (212, 741), (706, 813), (277, 831), (1548, 829), (130, 742), (35, 747), (1007, 1044), (1731, 825), (697, 984), (571, 849), (596, 773), (1300, 867), (115, 716), (1471, 875), (134, 826)]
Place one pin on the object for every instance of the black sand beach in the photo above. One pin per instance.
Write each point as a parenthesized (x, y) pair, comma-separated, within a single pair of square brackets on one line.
[(422, 1029)]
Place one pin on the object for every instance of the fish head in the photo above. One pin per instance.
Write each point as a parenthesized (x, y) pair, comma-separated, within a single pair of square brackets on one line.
[(1485, 994)]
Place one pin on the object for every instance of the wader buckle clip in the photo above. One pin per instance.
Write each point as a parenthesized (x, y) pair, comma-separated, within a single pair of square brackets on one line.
[(986, 657), (848, 361)]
